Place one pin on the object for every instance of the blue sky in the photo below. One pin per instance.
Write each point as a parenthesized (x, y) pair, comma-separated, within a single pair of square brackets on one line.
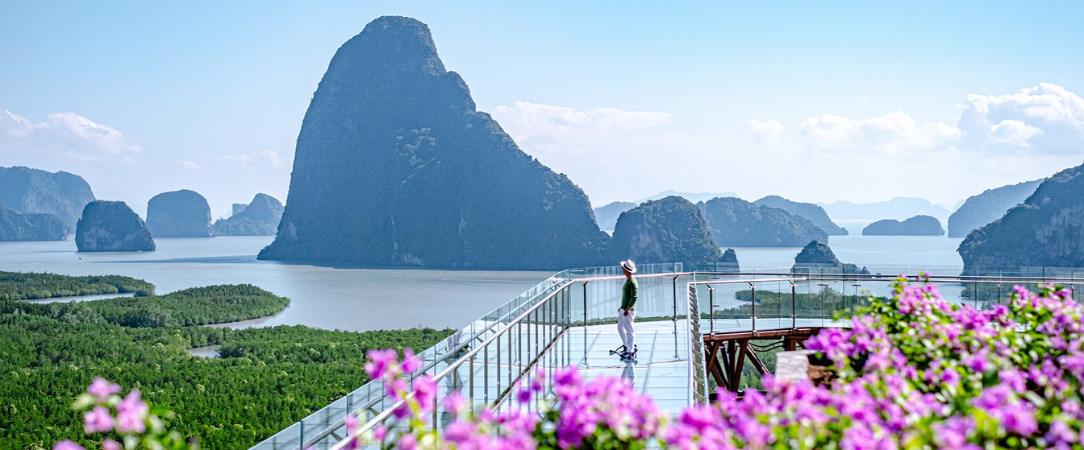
[(815, 101)]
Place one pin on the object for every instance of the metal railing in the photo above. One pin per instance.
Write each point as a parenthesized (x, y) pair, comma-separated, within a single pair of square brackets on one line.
[(487, 359)]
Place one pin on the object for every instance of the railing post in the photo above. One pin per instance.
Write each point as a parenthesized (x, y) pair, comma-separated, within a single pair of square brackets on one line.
[(711, 308), (753, 315), (485, 373), (301, 438), (793, 304), (674, 280)]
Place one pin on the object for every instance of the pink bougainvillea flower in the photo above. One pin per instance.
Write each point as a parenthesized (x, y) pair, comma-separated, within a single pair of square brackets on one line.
[(101, 389), (131, 413), (97, 420)]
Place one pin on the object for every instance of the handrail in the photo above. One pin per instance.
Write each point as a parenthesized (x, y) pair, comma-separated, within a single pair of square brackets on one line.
[(317, 437), (451, 367), (563, 283)]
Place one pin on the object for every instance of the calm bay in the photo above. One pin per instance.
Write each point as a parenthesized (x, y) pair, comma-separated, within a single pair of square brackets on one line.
[(361, 298)]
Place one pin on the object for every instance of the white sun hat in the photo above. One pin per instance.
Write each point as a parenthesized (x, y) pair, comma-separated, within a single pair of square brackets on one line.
[(628, 265)]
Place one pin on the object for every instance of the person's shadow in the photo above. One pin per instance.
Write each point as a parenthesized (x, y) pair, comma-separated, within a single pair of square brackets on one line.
[(629, 373)]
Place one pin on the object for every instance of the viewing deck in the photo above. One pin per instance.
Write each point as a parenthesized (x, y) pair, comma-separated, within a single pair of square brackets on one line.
[(692, 329)]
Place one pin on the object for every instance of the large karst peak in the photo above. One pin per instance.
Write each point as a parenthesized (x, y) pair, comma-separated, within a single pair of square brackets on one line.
[(395, 166)]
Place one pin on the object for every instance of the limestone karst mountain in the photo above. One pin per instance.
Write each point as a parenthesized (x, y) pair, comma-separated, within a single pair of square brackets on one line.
[(914, 226), (108, 226), (607, 215), (981, 209), (817, 257), (258, 218), (1047, 230), (396, 166), (31, 191), (30, 227), (179, 214), (810, 211), (737, 223), (660, 231)]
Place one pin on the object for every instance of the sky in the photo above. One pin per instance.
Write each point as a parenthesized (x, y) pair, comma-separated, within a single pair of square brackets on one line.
[(815, 101)]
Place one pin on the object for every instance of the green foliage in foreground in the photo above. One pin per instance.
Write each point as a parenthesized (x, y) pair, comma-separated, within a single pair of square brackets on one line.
[(266, 379), (195, 306), (29, 286)]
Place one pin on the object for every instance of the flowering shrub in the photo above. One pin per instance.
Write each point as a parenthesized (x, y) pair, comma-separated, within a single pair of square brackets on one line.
[(605, 413), (913, 371), (124, 423)]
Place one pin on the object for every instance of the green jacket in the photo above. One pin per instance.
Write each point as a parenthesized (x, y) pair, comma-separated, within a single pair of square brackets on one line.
[(628, 294)]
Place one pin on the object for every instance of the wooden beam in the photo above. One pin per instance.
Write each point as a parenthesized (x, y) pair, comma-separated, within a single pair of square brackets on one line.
[(753, 358)]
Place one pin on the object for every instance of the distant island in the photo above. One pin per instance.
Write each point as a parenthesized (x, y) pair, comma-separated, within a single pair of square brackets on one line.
[(32, 191), (109, 226), (260, 217), (809, 211), (816, 257), (179, 214), (737, 223), (915, 226), (982, 209), (30, 227), (662, 231), (607, 215)]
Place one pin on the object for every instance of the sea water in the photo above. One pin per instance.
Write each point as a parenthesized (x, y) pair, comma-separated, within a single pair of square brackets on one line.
[(360, 299)]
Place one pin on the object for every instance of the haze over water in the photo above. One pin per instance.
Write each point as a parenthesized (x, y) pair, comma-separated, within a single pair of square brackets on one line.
[(360, 299)]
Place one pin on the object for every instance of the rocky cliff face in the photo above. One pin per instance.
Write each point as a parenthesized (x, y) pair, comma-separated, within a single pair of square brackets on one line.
[(988, 206), (31, 191), (112, 227), (30, 227), (816, 257), (607, 215), (738, 223), (395, 166), (259, 218), (661, 231), (809, 211), (1047, 230), (179, 214), (915, 226)]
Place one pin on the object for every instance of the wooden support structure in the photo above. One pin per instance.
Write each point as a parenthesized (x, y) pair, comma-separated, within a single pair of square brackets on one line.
[(725, 353)]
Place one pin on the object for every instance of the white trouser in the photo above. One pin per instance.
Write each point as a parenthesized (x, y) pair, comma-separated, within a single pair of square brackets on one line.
[(624, 329)]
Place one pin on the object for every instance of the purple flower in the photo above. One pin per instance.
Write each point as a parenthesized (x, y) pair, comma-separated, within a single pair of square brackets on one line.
[(380, 362), (425, 392), (1019, 420), (455, 403), (523, 395), (110, 444), (97, 420), (67, 445), (352, 426), (131, 412), (953, 432), (101, 389), (410, 362)]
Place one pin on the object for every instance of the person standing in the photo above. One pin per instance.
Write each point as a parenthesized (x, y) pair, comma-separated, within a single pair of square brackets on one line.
[(626, 315)]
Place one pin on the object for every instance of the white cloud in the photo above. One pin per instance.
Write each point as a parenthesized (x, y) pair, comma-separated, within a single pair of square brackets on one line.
[(765, 132), (67, 135), (1013, 132), (240, 160), (190, 165), (1046, 118), (891, 133), (525, 121), (273, 158)]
